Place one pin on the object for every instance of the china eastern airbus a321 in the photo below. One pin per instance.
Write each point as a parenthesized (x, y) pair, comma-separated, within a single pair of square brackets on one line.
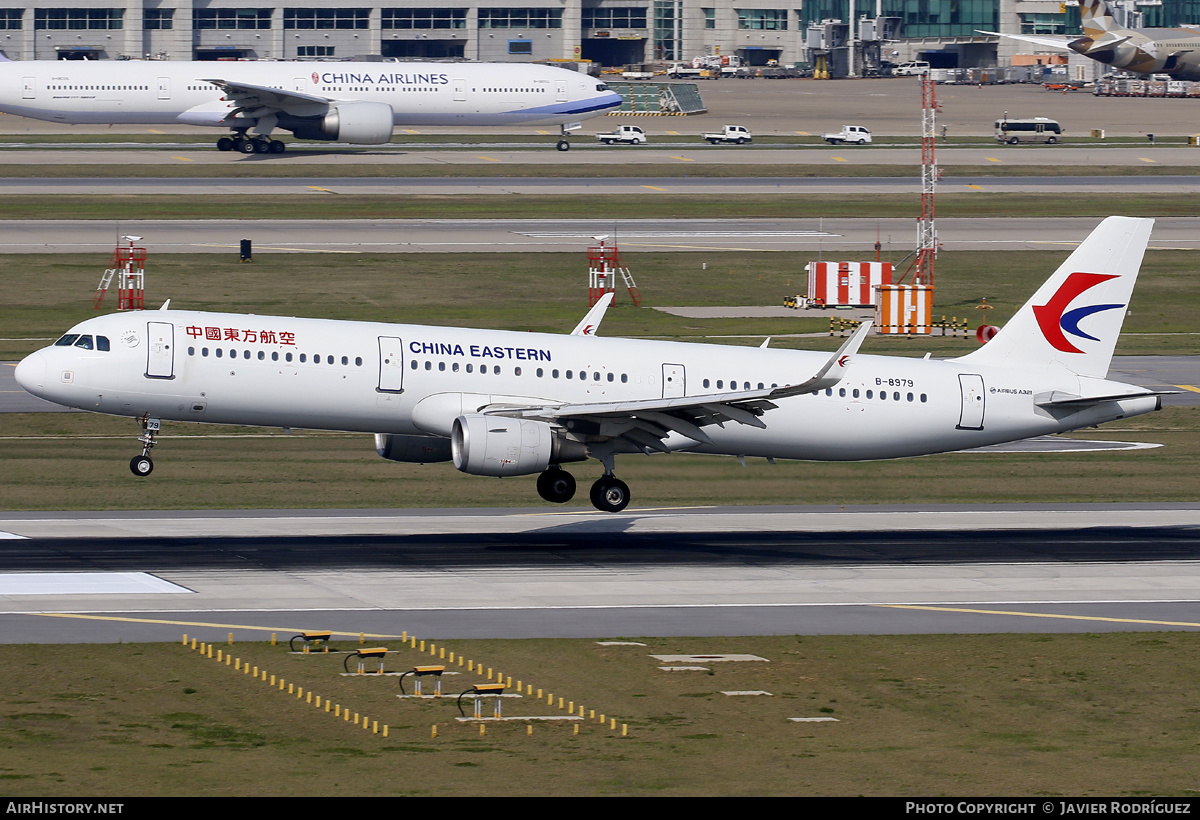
[(344, 102), (505, 403)]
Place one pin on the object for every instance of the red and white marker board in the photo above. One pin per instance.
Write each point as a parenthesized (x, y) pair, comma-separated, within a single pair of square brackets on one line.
[(847, 284)]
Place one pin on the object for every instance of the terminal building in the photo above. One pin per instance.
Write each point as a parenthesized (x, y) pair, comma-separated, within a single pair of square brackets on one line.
[(608, 32)]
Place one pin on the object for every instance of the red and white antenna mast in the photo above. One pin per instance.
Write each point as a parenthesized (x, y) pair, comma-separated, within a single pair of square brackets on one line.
[(927, 244)]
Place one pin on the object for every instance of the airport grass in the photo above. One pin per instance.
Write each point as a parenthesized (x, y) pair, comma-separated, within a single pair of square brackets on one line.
[(912, 715), (77, 461), (547, 292), (645, 204)]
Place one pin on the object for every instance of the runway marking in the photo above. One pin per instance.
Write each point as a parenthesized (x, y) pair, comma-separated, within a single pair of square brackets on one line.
[(684, 159), (273, 248), (489, 159), (839, 159), (319, 188), (183, 159), (410, 131), (75, 616), (654, 188), (1147, 159), (991, 159), (540, 131), (1041, 615), (976, 187), (599, 512), (804, 133), (673, 133), (154, 131), (1193, 388)]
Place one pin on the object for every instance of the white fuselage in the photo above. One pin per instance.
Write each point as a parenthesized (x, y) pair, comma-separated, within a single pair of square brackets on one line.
[(371, 377), (160, 93)]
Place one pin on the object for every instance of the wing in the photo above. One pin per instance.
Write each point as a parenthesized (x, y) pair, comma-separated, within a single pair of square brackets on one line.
[(647, 423), (1058, 43), (259, 101)]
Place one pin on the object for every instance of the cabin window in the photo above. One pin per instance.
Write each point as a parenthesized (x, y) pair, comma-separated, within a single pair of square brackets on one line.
[(842, 392), (896, 396), (346, 361), (413, 366), (204, 352), (828, 391), (261, 355), (760, 387), (910, 396), (720, 384), (288, 357), (442, 366), (568, 374), (429, 365), (219, 352), (923, 398), (870, 394), (469, 367), (246, 354), (454, 367), (329, 360), (855, 392), (554, 374), (358, 362), (706, 382), (191, 351), (610, 376), (624, 378), (882, 395), (540, 372), (516, 371)]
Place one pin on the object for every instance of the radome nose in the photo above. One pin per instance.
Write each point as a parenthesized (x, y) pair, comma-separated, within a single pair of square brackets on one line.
[(31, 373)]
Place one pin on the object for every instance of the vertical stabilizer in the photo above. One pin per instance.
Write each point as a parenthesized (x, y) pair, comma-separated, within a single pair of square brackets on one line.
[(1074, 319)]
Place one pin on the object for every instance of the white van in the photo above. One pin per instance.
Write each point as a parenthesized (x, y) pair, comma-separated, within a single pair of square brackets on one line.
[(912, 69)]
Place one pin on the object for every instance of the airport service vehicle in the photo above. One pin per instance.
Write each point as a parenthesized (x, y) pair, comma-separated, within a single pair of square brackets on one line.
[(854, 134), (1036, 129), (913, 68), (1171, 51), (508, 403), (356, 103), (626, 134), (736, 134)]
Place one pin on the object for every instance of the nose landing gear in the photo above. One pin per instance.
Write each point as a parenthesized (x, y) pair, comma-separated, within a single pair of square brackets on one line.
[(143, 465)]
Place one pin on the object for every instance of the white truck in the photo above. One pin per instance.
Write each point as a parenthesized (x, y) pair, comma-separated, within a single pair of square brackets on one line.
[(855, 134), (627, 134), (736, 134)]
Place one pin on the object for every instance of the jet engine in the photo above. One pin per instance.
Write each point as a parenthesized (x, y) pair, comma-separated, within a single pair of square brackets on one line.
[(361, 123), (412, 449), (499, 446)]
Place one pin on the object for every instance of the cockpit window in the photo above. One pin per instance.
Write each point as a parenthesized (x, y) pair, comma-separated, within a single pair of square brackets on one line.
[(601, 87), (85, 342), (67, 341), (102, 343)]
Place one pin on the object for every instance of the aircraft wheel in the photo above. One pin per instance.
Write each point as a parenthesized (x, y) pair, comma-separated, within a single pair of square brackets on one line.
[(246, 146), (563, 145), (556, 486), (141, 466), (610, 494), (261, 146), (278, 146), (225, 144)]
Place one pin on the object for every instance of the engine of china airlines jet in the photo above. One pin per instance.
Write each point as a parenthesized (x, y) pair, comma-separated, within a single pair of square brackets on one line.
[(356, 103), (503, 403)]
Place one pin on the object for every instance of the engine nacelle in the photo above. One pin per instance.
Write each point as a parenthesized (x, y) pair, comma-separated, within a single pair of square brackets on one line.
[(500, 446), (361, 123), (413, 449)]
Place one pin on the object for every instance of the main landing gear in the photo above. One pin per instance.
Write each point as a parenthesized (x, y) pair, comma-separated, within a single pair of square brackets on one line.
[(608, 493), (251, 145), (563, 145), (143, 465)]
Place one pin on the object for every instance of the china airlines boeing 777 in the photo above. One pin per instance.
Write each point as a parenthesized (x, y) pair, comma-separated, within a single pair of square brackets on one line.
[(504, 403), (345, 102)]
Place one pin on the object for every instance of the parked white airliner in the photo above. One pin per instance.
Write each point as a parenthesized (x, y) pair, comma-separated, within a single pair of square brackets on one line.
[(345, 102), (503, 403)]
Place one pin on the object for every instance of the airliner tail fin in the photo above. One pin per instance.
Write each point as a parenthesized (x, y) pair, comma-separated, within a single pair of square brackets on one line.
[(1074, 319)]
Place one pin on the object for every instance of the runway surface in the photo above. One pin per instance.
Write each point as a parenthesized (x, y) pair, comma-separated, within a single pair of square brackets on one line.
[(532, 573), (311, 234)]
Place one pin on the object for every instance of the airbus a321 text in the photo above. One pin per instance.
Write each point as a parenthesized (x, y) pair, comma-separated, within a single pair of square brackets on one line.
[(505, 403), (345, 102)]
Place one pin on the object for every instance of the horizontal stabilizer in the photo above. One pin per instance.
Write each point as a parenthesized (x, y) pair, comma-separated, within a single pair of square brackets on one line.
[(1059, 398)]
